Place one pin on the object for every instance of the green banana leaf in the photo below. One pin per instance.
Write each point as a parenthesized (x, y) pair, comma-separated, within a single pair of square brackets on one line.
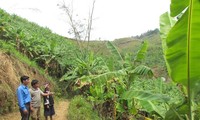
[(146, 99), (114, 51), (142, 70), (144, 95), (142, 52), (177, 6), (182, 46), (182, 51), (102, 78), (166, 23)]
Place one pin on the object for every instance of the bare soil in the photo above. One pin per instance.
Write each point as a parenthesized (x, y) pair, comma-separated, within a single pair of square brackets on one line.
[(61, 110)]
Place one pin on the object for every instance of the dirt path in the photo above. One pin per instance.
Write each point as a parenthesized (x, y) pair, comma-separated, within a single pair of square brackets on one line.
[(60, 109)]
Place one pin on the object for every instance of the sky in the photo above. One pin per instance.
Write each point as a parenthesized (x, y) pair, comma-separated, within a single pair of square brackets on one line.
[(112, 19)]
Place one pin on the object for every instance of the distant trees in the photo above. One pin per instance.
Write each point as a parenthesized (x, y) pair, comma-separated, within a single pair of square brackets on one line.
[(149, 32)]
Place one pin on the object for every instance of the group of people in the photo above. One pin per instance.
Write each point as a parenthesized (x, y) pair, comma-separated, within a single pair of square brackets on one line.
[(29, 100)]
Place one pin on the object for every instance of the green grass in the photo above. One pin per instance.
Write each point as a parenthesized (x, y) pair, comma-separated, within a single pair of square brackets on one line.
[(11, 50), (80, 109)]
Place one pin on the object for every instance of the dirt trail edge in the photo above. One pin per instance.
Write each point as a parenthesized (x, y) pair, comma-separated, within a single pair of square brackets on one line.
[(61, 109)]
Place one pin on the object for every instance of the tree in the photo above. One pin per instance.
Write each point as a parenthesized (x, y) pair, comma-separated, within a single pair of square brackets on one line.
[(80, 30)]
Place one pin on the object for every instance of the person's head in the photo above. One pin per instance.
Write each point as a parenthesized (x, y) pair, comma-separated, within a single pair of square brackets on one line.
[(24, 79), (35, 83), (46, 86)]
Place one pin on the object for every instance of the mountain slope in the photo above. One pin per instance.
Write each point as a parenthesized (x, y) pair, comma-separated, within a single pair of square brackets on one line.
[(10, 71)]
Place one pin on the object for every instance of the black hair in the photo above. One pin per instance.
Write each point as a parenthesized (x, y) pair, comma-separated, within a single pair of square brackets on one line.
[(24, 77), (33, 82)]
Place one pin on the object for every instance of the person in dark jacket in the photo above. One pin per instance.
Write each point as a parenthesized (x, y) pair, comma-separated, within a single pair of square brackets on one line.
[(48, 103)]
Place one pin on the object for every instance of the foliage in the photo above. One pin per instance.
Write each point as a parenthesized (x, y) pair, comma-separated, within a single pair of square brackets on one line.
[(116, 80), (80, 109), (113, 86), (154, 56), (181, 48), (51, 51), (4, 46)]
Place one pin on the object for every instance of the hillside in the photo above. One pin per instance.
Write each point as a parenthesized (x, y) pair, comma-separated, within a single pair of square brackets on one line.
[(124, 79), (37, 43), (55, 53), (154, 56), (27, 48), (10, 71)]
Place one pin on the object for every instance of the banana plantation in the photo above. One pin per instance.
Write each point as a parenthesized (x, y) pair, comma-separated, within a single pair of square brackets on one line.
[(120, 84)]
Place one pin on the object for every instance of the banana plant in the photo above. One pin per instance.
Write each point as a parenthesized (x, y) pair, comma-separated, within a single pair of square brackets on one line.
[(181, 47), (110, 84), (132, 64), (127, 65), (84, 69), (116, 82)]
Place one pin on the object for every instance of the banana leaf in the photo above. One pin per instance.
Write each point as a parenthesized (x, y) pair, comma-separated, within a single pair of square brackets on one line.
[(182, 47), (182, 51), (177, 6), (142, 52), (114, 51), (147, 99)]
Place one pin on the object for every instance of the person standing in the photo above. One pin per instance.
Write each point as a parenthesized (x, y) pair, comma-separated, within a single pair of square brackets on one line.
[(48, 103), (36, 99), (24, 98)]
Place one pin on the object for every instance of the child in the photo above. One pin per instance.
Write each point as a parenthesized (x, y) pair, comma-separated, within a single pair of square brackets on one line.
[(36, 99), (48, 103)]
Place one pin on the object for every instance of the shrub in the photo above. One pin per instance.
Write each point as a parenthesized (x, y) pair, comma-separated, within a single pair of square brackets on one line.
[(80, 109)]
